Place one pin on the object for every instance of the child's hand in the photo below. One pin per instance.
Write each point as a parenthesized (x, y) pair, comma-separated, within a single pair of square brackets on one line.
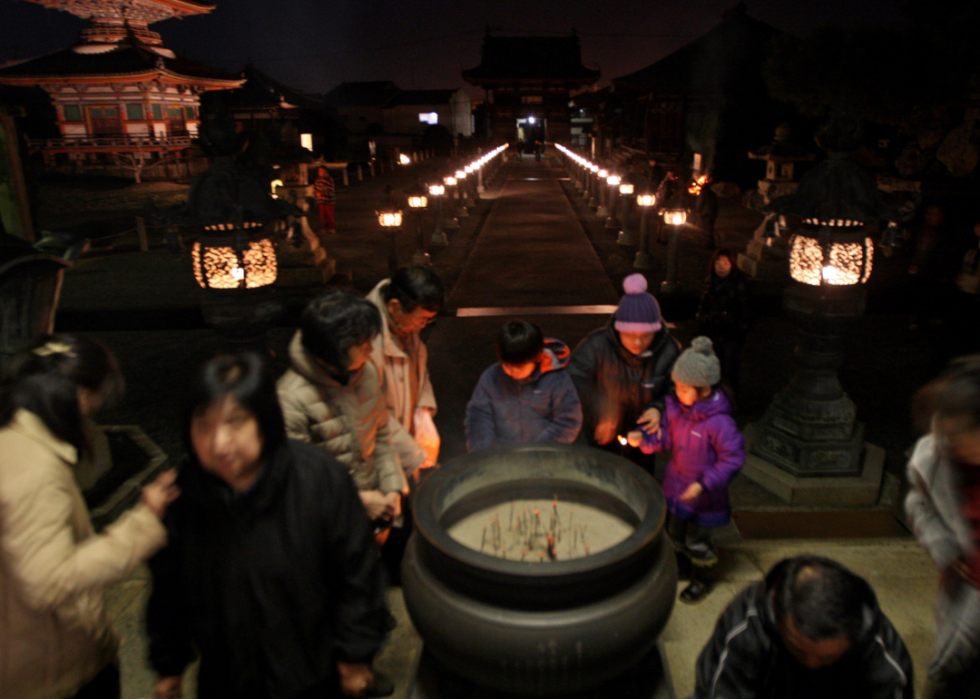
[(650, 421), (634, 438), (692, 493)]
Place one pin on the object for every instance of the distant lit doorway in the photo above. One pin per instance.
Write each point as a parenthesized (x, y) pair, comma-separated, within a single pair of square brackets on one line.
[(530, 131)]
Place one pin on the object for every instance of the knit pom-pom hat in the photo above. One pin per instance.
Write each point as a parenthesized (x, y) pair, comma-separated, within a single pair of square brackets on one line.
[(638, 311), (697, 365)]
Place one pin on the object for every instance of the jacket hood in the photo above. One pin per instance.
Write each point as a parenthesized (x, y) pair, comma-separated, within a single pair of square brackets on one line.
[(872, 612), (302, 363), (556, 355), (660, 338), (716, 404)]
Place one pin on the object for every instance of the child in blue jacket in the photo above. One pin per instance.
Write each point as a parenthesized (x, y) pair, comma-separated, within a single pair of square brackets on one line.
[(707, 450), (527, 396)]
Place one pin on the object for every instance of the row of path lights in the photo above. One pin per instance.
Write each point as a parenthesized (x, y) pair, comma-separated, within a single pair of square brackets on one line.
[(589, 179), (390, 215)]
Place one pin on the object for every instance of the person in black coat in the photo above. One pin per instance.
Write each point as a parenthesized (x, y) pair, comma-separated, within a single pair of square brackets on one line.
[(811, 629), (271, 576), (723, 314), (622, 372)]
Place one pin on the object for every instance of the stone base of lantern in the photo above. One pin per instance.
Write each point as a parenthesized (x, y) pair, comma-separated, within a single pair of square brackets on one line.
[(862, 490), (650, 679)]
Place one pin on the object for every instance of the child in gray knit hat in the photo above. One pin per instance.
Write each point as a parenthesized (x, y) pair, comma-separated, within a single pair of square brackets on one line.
[(707, 450)]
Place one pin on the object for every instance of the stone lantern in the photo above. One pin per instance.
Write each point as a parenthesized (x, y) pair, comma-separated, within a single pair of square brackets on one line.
[(780, 156), (809, 447)]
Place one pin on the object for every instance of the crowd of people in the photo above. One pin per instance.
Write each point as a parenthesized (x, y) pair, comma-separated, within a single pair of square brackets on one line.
[(273, 544)]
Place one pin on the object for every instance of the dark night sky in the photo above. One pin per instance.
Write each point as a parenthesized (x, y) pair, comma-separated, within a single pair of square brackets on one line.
[(316, 44)]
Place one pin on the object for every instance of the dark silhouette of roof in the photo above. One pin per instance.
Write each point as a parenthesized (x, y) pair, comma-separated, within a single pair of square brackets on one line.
[(375, 93), (127, 59), (547, 58), (421, 97), (739, 43), (261, 91)]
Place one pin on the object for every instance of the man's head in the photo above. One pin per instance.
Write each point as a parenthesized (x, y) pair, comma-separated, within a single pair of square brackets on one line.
[(338, 328), (819, 609), (413, 297), (519, 346)]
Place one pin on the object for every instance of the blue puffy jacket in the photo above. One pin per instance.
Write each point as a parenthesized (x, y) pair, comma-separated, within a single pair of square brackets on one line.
[(544, 407)]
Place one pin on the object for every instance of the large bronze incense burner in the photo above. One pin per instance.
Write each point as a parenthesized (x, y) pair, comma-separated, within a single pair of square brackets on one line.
[(568, 588)]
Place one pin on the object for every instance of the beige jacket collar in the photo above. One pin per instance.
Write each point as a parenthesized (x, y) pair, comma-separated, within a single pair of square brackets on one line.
[(391, 348), (30, 425), (302, 362)]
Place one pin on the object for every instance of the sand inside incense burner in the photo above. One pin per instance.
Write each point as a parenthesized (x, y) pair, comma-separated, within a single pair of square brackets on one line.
[(537, 531)]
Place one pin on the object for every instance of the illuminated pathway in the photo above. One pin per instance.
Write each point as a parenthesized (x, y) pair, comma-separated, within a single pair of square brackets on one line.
[(532, 251)]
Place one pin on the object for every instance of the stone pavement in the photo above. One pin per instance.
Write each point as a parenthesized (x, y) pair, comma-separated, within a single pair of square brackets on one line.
[(901, 574)]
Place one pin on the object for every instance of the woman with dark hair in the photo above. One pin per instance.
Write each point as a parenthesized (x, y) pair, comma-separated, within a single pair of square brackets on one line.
[(723, 315), (55, 638), (331, 396), (272, 577), (943, 507), (408, 302)]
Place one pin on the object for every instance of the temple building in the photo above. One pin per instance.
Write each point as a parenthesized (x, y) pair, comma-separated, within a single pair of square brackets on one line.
[(119, 90), (528, 82)]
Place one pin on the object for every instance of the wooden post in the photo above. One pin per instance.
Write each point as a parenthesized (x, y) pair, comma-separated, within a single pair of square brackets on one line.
[(141, 234), (18, 184), (346, 178)]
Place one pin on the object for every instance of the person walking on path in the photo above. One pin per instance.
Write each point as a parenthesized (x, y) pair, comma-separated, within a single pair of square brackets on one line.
[(943, 507), (622, 371), (331, 396), (526, 396), (707, 451), (408, 302), (811, 629), (724, 314), (56, 641), (326, 199), (272, 577)]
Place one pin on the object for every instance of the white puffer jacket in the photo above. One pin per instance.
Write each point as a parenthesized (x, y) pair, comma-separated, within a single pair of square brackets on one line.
[(350, 422)]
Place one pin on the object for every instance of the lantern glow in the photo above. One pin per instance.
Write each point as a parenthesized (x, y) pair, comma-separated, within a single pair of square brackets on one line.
[(836, 262), (675, 217), (450, 181), (390, 219), (418, 202), (404, 159), (437, 190), (613, 180), (223, 267), (625, 188), (646, 199)]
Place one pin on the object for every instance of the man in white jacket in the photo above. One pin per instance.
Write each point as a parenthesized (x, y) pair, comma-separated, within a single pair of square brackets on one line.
[(408, 302)]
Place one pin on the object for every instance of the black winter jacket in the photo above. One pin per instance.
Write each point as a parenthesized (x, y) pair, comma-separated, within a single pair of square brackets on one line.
[(272, 586), (614, 384), (746, 658), (724, 313)]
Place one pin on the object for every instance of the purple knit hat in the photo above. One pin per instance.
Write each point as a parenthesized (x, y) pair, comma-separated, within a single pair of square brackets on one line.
[(638, 311)]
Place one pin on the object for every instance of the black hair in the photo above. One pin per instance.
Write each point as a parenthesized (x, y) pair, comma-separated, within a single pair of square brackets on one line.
[(45, 381), (415, 286), (955, 394), (519, 342), (244, 377), (334, 323), (824, 599), (723, 252)]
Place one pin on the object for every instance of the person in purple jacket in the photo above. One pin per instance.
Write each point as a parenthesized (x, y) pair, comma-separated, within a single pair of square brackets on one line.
[(707, 450), (527, 396)]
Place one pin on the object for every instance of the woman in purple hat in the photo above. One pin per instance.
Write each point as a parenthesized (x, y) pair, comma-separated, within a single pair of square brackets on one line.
[(622, 372)]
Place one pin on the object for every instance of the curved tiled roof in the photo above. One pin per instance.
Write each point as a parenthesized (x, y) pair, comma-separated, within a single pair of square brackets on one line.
[(127, 60), (557, 58)]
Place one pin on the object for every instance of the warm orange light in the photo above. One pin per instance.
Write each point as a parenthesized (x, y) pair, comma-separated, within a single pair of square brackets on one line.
[(450, 181), (698, 184), (625, 188), (222, 267), (404, 159), (390, 219), (437, 190), (622, 440), (646, 199), (418, 202), (675, 217)]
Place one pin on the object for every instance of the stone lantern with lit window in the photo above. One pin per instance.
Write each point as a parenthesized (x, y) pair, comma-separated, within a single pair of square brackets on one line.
[(810, 431)]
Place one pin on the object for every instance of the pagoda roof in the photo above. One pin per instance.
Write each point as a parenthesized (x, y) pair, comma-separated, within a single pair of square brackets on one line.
[(375, 93), (121, 63), (537, 58), (738, 43), (143, 10), (262, 91)]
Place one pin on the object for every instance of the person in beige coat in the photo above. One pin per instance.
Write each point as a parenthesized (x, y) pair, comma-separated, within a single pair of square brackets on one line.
[(331, 396), (407, 303), (55, 638)]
